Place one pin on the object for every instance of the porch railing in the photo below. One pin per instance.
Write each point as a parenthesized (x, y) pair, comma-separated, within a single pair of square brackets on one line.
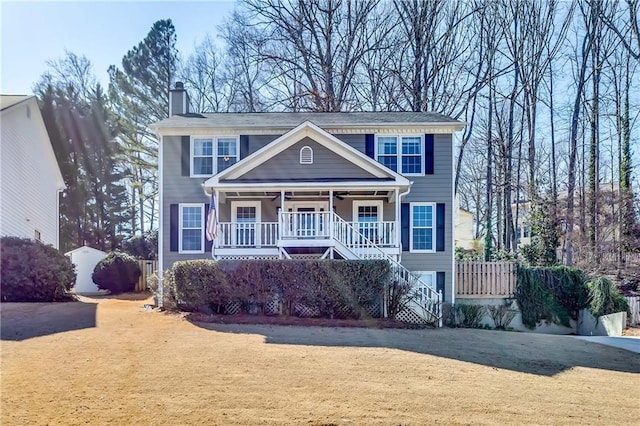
[(424, 299), (382, 234), (305, 225), (247, 234)]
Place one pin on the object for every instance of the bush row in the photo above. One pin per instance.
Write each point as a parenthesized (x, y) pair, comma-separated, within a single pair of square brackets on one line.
[(556, 294), (34, 272), (117, 272), (334, 288)]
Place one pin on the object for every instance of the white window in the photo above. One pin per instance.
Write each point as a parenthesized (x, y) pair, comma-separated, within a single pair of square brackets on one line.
[(422, 292), (245, 216), (367, 214), (306, 155), (211, 155), (422, 219), (191, 231), (402, 154)]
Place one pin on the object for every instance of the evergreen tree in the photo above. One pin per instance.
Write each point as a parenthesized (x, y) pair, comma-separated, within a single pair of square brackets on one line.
[(140, 94), (94, 208)]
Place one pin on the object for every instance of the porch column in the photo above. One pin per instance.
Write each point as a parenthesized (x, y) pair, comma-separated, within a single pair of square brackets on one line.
[(331, 215), (398, 219), (281, 225)]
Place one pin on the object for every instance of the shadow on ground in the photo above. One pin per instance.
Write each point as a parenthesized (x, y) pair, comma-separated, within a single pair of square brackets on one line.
[(21, 321), (538, 354)]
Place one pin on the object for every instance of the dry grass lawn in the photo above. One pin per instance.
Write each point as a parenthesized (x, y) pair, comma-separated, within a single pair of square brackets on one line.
[(109, 361)]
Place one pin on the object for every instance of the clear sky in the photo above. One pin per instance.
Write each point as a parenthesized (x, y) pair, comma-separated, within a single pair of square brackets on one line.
[(34, 32)]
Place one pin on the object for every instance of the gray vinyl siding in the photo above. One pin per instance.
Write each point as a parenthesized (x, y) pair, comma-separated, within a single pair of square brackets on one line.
[(286, 165), (436, 188), (177, 189), (257, 142)]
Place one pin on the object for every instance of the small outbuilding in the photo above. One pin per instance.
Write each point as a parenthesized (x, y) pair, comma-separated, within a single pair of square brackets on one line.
[(85, 259)]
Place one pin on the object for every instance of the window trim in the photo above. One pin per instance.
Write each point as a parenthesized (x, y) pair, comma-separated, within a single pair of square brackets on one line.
[(364, 203), (181, 206), (214, 153), (433, 227), (399, 154), (234, 218)]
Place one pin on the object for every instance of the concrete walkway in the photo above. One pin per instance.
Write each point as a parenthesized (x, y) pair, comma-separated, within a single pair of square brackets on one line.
[(629, 343)]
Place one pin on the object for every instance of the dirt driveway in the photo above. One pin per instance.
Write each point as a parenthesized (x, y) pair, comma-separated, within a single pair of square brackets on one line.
[(111, 361)]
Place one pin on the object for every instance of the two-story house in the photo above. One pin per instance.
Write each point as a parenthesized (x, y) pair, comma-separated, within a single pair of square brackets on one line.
[(30, 178), (352, 185)]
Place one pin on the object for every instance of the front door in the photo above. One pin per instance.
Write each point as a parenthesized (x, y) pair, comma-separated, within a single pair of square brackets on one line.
[(309, 219)]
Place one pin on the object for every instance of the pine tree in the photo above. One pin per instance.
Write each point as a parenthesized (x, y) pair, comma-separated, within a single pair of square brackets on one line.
[(140, 94)]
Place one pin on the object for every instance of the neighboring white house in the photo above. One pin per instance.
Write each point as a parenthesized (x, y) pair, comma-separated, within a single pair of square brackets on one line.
[(30, 179), (85, 258)]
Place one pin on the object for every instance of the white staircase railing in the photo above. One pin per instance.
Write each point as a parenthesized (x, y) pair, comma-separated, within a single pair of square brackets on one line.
[(423, 299)]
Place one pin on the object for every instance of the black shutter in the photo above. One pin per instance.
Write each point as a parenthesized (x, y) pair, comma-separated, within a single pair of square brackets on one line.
[(440, 227), (428, 154), (405, 226), (207, 244), (186, 156), (174, 218), (440, 283), (244, 146), (370, 145)]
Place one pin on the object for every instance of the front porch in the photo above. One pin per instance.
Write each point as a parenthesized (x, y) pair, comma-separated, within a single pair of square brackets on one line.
[(323, 223)]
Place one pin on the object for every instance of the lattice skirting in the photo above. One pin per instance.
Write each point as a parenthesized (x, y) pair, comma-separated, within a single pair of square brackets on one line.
[(409, 316), (306, 256), (374, 310), (232, 308), (305, 311), (247, 257)]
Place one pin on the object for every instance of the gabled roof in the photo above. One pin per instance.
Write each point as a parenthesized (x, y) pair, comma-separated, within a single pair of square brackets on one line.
[(11, 101), (7, 101), (85, 248), (280, 122), (307, 129)]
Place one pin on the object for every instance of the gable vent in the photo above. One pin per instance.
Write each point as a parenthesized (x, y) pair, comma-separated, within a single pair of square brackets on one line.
[(306, 155)]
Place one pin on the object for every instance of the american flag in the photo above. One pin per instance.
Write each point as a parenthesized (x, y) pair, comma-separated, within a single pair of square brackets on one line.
[(212, 220)]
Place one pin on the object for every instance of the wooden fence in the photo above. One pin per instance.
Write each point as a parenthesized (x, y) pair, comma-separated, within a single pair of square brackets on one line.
[(485, 279), (147, 267), (634, 306)]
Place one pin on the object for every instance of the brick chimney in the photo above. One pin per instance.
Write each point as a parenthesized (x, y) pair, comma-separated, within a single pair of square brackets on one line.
[(178, 100)]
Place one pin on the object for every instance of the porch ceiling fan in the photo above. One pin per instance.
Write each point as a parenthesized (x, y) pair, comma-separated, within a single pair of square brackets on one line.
[(287, 196), (340, 195)]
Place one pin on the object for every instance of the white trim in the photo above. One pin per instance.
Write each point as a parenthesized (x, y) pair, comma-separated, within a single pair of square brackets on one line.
[(214, 153), (433, 227), (246, 203), (399, 154), (434, 277), (202, 226), (361, 203), (307, 129), (160, 221), (317, 205)]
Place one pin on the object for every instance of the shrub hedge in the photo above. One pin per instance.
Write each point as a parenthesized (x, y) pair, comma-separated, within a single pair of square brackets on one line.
[(117, 272), (605, 299), (337, 288), (34, 272), (553, 294)]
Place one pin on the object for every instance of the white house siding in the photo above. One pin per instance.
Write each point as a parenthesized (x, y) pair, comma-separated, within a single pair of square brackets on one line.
[(30, 177)]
